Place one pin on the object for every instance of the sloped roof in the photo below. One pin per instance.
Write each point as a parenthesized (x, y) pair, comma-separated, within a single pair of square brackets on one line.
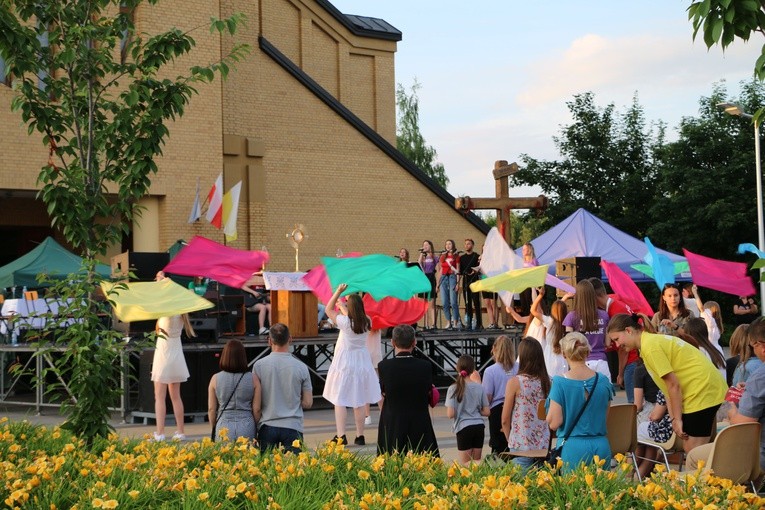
[(364, 26), (585, 235)]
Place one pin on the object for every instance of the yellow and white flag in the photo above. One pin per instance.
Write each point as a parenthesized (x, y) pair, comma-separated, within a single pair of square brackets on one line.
[(230, 210)]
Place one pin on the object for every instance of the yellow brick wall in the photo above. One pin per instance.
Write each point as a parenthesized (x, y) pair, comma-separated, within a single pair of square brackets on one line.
[(303, 164)]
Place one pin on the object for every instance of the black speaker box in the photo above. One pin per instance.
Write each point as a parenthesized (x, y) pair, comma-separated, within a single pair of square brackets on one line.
[(578, 268), (206, 329)]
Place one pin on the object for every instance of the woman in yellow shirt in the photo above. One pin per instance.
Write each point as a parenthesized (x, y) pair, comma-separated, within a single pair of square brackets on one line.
[(693, 386)]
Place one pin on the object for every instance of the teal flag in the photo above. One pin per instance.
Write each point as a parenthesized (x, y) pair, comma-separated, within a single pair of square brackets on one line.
[(379, 275)]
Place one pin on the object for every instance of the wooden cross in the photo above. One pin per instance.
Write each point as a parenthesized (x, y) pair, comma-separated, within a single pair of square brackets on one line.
[(503, 203)]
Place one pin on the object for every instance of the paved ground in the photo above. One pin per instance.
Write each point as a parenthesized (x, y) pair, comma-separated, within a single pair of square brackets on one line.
[(319, 427)]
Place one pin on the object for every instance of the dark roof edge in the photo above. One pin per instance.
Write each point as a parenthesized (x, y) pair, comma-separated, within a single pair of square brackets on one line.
[(372, 135), (339, 16)]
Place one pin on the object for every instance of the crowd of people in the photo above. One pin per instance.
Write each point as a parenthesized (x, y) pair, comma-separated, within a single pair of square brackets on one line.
[(671, 366)]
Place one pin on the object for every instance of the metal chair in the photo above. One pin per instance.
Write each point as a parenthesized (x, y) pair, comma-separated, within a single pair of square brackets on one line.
[(673, 446), (621, 428)]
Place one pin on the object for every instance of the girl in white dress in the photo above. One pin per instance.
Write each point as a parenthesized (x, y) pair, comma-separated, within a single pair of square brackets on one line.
[(169, 370), (351, 379)]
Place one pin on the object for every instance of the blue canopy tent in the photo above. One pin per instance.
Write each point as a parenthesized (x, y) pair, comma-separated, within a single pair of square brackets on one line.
[(48, 257), (585, 235)]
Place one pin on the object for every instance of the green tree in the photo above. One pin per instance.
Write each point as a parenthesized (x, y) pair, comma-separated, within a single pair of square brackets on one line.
[(409, 139), (606, 166), (100, 95), (706, 179), (722, 21)]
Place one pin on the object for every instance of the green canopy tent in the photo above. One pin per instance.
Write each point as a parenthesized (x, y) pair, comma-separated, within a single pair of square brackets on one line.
[(50, 258)]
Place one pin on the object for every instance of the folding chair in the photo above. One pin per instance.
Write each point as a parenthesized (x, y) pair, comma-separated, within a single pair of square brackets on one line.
[(736, 454), (621, 428), (673, 446), (532, 454)]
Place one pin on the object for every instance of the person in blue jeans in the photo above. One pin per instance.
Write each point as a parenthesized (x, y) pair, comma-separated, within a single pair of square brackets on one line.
[(448, 282), (286, 391)]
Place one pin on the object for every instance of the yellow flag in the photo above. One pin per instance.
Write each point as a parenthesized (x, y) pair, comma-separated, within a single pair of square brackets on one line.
[(230, 210), (516, 280), (141, 301)]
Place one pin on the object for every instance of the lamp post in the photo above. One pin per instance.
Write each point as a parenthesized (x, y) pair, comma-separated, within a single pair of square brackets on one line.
[(733, 109)]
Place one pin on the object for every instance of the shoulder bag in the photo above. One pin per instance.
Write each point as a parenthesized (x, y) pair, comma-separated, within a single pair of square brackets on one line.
[(556, 452), (223, 409)]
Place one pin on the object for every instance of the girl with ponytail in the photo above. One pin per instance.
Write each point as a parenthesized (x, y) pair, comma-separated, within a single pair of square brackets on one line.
[(467, 404)]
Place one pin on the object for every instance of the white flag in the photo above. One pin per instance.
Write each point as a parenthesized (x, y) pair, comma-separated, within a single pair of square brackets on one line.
[(196, 209)]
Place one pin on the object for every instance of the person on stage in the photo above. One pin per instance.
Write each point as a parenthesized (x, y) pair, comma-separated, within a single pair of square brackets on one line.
[(469, 261), (260, 302), (427, 263), (448, 282)]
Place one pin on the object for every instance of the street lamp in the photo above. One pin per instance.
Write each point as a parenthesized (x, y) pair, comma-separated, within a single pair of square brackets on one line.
[(733, 109)]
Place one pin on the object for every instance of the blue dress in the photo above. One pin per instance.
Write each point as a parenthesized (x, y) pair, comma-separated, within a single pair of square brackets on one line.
[(589, 436)]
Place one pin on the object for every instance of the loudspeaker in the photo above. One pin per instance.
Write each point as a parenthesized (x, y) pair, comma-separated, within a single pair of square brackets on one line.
[(144, 265), (577, 269), (206, 329)]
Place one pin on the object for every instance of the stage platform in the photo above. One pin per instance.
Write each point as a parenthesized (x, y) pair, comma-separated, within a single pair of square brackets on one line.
[(440, 347)]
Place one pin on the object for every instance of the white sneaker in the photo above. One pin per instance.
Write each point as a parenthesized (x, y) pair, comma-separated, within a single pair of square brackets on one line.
[(179, 436), (368, 420), (263, 331), (158, 437)]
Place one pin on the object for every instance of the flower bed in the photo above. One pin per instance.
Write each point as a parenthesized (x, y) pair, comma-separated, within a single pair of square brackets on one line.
[(47, 469)]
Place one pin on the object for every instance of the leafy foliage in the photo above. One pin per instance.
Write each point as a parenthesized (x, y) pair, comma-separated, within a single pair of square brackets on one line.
[(93, 87), (607, 165), (409, 139), (707, 180), (99, 94)]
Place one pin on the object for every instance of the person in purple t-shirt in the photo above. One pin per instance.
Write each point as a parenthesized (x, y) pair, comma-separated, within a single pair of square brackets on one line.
[(427, 262), (590, 320)]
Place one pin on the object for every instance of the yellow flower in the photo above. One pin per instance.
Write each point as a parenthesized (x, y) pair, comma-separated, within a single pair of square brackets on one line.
[(659, 504), (112, 503), (589, 479), (364, 475), (14, 448), (429, 488), (203, 496), (296, 443), (98, 503), (405, 492), (192, 484), (134, 494)]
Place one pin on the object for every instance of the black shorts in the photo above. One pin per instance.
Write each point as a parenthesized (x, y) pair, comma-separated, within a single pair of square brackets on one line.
[(700, 423), (470, 437), (488, 295)]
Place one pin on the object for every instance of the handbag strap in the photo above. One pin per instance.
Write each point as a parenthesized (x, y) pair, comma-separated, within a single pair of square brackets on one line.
[(229, 399), (581, 411)]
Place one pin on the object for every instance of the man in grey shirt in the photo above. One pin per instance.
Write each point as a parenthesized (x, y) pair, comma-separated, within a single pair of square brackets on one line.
[(286, 389)]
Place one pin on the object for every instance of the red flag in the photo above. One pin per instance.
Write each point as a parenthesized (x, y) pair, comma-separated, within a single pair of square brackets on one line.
[(728, 277), (229, 266), (625, 288), (390, 311)]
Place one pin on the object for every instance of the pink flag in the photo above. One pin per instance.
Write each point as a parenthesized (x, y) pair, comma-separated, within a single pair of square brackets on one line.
[(390, 312), (317, 280), (625, 288), (721, 275), (229, 266)]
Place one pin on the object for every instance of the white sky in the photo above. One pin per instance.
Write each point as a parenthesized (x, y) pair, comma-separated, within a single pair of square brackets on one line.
[(496, 74)]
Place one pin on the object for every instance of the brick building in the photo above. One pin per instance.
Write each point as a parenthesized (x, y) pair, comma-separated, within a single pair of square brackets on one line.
[(307, 121)]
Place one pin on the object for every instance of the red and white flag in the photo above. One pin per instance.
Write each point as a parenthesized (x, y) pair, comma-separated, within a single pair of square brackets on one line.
[(215, 200)]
